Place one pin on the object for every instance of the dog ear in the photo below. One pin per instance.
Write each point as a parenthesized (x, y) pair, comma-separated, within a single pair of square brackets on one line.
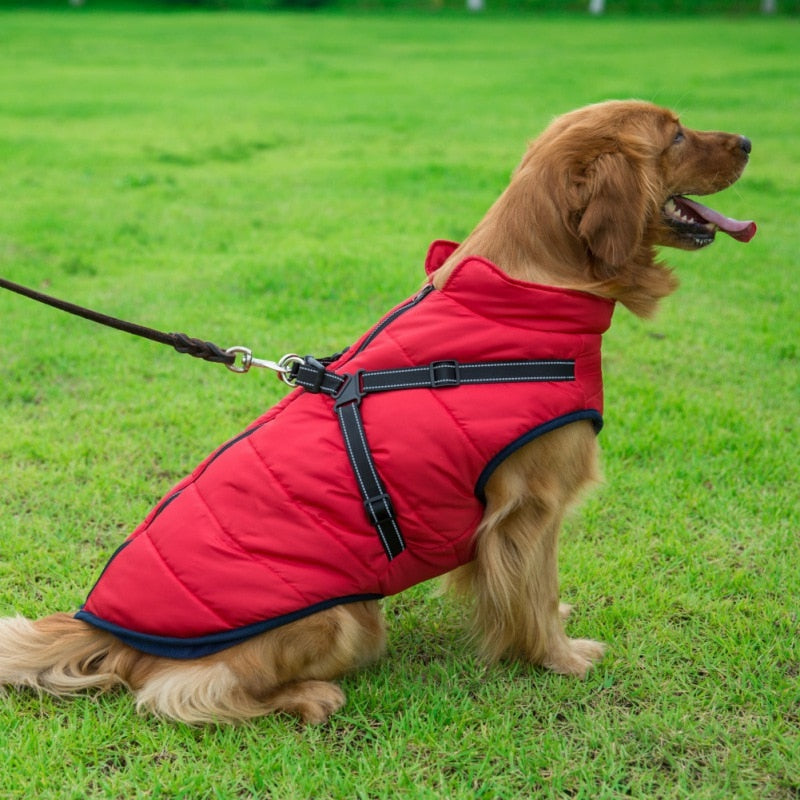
[(616, 200)]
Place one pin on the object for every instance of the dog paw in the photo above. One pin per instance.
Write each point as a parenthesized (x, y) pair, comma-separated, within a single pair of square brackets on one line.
[(326, 701), (576, 657), (564, 610), (312, 701)]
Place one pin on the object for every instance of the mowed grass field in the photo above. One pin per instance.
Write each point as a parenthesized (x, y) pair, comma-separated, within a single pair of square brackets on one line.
[(274, 181)]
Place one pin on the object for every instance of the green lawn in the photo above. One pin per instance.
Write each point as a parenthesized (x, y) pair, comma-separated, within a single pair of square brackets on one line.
[(274, 181)]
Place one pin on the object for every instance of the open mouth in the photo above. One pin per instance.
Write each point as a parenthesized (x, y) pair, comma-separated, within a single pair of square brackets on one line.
[(696, 225)]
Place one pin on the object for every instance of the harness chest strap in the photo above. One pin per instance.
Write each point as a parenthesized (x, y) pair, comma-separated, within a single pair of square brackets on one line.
[(347, 391)]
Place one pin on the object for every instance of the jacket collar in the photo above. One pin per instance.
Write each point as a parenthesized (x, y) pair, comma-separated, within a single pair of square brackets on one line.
[(484, 289)]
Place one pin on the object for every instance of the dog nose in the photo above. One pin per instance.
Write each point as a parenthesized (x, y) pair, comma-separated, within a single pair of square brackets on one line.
[(745, 144)]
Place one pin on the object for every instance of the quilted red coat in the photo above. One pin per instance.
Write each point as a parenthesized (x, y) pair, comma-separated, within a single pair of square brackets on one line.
[(271, 526)]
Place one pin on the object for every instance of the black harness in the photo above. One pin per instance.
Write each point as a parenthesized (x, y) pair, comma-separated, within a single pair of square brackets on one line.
[(348, 390)]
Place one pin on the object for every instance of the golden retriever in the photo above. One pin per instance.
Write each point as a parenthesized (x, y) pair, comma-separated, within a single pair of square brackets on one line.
[(594, 195)]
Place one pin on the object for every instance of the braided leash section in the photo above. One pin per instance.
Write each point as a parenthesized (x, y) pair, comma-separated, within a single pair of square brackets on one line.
[(198, 348), (236, 359)]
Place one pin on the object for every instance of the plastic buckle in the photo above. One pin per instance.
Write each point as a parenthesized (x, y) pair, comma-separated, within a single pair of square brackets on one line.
[(439, 381), (379, 508), (350, 391)]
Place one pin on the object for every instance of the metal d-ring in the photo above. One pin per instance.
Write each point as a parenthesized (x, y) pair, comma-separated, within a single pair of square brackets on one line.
[(286, 363)]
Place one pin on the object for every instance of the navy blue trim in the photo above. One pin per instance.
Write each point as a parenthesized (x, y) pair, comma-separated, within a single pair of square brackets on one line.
[(392, 316), (212, 458), (199, 646), (591, 414), (108, 564)]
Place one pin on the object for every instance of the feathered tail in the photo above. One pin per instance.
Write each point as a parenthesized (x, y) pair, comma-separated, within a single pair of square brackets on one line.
[(57, 654)]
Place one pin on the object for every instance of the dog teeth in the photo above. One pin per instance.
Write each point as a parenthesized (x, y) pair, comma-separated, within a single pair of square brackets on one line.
[(677, 213)]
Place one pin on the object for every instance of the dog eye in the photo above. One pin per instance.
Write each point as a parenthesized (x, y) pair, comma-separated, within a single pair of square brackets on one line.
[(679, 137)]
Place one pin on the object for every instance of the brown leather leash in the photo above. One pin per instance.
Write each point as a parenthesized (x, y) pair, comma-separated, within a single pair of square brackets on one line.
[(237, 359)]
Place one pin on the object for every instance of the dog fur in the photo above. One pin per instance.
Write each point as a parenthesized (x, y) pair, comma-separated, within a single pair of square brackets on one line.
[(584, 210)]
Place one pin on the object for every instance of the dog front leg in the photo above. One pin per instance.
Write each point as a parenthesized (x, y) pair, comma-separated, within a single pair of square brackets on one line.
[(513, 579)]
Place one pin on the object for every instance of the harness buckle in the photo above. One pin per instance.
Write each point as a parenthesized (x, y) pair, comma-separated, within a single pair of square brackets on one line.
[(350, 391), (444, 374), (379, 508)]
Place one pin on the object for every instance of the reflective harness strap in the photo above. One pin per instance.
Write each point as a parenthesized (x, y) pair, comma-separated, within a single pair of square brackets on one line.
[(347, 391)]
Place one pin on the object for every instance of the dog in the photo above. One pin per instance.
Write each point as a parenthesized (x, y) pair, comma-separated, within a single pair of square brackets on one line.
[(594, 196)]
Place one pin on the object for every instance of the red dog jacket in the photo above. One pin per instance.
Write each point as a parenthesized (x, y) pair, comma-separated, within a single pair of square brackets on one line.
[(285, 519)]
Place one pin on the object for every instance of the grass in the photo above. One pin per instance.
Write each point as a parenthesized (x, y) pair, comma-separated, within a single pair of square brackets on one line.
[(274, 181)]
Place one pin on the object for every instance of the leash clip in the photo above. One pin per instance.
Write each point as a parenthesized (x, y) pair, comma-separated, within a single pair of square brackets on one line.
[(284, 366)]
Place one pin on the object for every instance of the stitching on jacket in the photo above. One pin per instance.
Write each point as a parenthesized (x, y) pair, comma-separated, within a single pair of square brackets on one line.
[(303, 507), (181, 583)]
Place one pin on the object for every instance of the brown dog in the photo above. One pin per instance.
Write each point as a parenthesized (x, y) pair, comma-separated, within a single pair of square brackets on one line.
[(594, 195)]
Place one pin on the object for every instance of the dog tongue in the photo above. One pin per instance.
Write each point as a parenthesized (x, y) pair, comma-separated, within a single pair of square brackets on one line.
[(742, 231)]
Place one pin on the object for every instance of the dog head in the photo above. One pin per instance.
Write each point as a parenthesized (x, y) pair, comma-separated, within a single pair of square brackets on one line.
[(599, 189), (637, 167)]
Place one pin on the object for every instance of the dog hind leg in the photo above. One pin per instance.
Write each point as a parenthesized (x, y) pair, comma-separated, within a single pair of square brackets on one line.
[(286, 670)]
